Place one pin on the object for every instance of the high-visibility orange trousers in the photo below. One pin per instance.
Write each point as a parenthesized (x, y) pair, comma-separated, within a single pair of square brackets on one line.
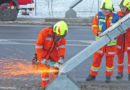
[(47, 75), (120, 62), (97, 61)]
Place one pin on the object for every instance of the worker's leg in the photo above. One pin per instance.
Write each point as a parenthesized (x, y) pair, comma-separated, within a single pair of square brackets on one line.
[(45, 80), (128, 53), (120, 62), (109, 67), (120, 65), (96, 64), (50, 75), (45, 76), (53, 74)]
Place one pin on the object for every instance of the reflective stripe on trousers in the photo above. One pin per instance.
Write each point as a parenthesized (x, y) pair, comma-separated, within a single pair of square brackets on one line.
[(120, 64), (109, 70), (45, 79), (128, 48), (94, 68)]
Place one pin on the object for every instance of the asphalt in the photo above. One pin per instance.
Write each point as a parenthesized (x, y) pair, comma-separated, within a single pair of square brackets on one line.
[(17, 43)]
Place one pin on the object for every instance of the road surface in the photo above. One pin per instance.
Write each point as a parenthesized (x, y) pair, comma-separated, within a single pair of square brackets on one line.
[(17, 46)]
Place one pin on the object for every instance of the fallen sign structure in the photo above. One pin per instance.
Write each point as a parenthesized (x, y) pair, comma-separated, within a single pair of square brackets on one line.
[(63, 82)]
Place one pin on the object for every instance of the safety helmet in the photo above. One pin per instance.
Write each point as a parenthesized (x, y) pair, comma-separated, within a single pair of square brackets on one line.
[(107, 4), (125, 3), (60, 28)]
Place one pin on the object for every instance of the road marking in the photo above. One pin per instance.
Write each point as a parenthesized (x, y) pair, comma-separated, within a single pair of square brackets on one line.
[(8, 88), (84, 41), (15, 43), (81, 43), (18, 25)]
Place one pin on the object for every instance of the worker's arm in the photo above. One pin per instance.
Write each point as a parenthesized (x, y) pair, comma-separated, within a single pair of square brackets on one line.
[(95, 28), (41, 53), (61, 48), (61, 53)]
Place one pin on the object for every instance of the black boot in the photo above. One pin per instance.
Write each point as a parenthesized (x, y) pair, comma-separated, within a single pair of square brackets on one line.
[(119, 76), (44, 88), (108, 79), (129, 77), (90, 78)]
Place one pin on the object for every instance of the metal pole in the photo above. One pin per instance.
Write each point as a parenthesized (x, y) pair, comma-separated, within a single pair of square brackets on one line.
[(75, 4), (35, 8), (98, 5)]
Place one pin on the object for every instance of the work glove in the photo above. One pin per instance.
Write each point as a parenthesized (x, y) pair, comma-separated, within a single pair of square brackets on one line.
[(43, 61), (34, 60), (58, 64), (99, 33), (61, 61)]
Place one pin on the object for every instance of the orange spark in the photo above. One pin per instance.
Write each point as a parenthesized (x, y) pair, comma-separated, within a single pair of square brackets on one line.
[(16, 67)]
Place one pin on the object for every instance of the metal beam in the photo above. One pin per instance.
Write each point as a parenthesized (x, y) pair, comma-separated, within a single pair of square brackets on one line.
[(75, 3)]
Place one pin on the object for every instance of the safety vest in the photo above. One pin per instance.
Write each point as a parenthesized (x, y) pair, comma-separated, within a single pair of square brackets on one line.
[(102, 25)]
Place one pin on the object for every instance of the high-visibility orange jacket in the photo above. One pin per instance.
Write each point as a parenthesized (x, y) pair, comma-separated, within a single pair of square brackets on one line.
[(123, 44), (95, 28), (124, 39), (100, 24), (49, 48)]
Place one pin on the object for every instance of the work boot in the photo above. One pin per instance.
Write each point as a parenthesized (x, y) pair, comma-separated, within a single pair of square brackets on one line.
[(108, 79), (119, 76), (90, 78), (129, 77)]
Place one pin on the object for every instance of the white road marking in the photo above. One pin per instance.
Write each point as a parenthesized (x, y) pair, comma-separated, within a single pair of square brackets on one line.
[(8, 88), (15, 43), (84, 41), (18, 25), (28, 42)]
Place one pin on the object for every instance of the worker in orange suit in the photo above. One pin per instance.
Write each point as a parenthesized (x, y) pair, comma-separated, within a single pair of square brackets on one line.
[(123, 41), (50, 50), (102, 21)]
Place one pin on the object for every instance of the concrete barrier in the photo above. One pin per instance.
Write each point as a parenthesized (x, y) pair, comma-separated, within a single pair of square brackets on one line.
[(50, 21)]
